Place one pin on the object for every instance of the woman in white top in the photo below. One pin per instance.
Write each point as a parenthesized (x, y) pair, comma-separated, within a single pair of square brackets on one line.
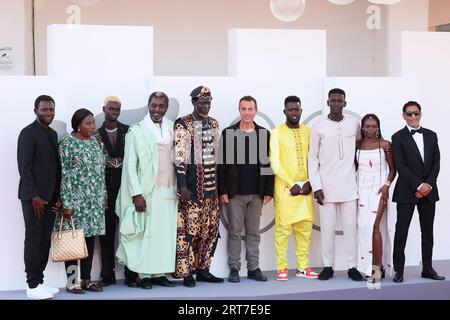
[(375, 174)]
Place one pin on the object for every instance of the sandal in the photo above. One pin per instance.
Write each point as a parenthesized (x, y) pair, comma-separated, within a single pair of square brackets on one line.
[(75, 289), (91, 286)]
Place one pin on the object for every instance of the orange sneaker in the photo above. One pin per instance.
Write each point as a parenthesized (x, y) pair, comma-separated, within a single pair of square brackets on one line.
[(306, 273), (282, 275)]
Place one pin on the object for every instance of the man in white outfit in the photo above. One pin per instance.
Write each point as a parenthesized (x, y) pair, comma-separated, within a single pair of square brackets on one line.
[(333, 179)]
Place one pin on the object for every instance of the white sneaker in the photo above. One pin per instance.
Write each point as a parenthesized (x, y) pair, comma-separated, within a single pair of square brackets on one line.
[(49, 289), (38, 293)]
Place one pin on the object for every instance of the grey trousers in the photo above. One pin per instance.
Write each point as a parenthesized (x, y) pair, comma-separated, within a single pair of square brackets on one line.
[(244, 213)]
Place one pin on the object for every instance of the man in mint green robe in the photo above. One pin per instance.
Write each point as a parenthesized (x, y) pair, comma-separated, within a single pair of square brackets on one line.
[(147, 200)]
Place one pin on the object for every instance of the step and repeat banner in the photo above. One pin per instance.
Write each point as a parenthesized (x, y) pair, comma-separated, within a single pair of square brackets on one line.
[(88, 63)]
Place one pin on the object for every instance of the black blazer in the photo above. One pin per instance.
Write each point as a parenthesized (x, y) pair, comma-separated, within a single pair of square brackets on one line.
[(228, 174), (412, 171), (38, 163), (122, 129)]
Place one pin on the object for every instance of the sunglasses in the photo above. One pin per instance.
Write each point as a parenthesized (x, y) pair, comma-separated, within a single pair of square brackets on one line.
[(411, 113)]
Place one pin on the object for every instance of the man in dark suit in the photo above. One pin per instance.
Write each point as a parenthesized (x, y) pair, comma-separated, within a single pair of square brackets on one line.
[(40, 173), (112, 133), (245, 184), (417, 159)]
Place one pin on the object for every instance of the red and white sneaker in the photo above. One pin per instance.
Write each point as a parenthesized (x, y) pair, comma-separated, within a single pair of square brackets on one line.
[(282, 275), (306, 273)]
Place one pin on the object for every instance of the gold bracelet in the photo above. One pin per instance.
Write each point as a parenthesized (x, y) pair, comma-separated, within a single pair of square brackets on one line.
[(387, 183)]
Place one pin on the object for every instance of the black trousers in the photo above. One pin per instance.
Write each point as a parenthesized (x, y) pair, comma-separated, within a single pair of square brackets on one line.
[(108, 241), (405, 213), (85, 264), (37, 242)]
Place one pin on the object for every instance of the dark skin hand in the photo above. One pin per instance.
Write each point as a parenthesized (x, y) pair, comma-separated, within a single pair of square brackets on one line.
[(304, 191), (38, 206), (67, 213), (319, 196), (295, 190), (307, 189), (186, 194), (56, 206), (139, 203)]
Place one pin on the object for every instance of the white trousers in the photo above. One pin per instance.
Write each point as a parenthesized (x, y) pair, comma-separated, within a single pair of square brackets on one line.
[(328, 215)]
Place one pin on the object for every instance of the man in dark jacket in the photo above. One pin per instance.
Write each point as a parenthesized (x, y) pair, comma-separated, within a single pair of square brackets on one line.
[(417, 159), (112, 133), (245, 183), (40, 178)]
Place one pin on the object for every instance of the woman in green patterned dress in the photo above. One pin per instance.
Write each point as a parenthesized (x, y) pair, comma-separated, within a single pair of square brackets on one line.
[(83, 193)]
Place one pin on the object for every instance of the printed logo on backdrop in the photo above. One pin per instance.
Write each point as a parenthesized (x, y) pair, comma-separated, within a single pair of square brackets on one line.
[(310, 120), (128, 117), (291, 10), (73, 278), (6, 60), (131, 116), (74, 10), (283, 10), (265, 121)]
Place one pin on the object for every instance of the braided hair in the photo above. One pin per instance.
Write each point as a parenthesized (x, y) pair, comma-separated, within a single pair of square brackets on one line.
[(379, 136)]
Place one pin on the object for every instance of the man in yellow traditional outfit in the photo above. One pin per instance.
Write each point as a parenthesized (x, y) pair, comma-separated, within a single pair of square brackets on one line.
[(294, 206)]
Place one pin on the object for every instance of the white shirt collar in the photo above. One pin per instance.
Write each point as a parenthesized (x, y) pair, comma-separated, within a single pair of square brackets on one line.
[(411, 128)]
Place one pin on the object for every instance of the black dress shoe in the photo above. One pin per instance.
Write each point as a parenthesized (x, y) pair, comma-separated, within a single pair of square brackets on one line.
[(326, 273), (132, 283), (354, 274), (146, 283), (432, 274), (107, 281), (203, 275), (189, 281), (256, 275), (163, 281), (234, 276), (398, 277)]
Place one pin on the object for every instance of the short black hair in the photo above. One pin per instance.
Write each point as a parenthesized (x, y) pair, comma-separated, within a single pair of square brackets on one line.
[(336, 90), (294, 99), (248, 98), (79, 116), (411, 103), (42, 98), (158, 94)]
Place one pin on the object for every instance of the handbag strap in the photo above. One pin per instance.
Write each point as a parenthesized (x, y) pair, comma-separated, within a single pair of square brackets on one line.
[(74, 234)]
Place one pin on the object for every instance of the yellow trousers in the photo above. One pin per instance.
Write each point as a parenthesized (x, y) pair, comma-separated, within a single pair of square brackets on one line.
[(302, 234)]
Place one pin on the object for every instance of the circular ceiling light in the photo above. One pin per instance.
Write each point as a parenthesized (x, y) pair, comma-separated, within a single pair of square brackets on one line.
[(287, 10)]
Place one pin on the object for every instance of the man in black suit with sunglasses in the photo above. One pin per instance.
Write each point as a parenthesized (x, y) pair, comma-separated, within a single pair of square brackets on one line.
[(417, 159)]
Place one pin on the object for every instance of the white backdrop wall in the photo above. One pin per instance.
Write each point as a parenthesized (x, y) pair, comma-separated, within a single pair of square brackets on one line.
[(81, 76)]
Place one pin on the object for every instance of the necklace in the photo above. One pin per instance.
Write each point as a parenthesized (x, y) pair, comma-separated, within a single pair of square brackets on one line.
[(111, 131)]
